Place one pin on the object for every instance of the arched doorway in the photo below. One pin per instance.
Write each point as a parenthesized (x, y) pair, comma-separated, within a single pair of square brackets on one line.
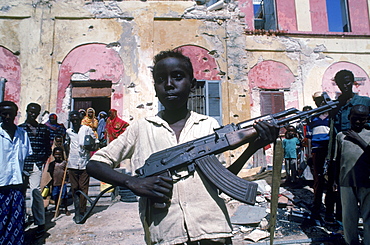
[(89, 76)]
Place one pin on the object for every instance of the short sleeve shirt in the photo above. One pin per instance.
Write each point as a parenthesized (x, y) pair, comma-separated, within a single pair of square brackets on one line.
[(78, 156), (196, 211), (290, 147), (13, 154)]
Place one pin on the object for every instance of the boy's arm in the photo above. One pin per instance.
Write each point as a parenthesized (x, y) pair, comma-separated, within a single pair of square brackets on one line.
[(151, 187), (356, 139), (267, 133)]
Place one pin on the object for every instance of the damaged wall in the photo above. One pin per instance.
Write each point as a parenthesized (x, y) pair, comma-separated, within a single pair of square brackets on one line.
[(41, 34)]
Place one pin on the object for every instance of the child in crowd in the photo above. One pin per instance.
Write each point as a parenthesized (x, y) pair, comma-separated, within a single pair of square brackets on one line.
[(352, 155), (57, 170), (290, 144)]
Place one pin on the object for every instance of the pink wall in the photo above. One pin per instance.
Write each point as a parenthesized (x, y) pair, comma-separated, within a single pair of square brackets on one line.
[(246, 7), (11, 70), (204, 65), (360, 87), (319, 18), (105, 61), (286, 15), (359, 16), (271, 74)]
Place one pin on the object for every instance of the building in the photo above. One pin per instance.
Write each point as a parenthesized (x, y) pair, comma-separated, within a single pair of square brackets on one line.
[(251, 57)]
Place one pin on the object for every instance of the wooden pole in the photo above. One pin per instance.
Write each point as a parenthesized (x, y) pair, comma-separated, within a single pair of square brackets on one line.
[(60, 193), (276, 178)]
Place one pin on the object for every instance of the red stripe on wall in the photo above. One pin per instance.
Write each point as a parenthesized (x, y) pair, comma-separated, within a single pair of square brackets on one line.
[(286, 14), (359, 16), (319, 18)]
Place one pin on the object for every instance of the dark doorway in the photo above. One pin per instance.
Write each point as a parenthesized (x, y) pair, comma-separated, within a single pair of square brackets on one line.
[(98, 103)]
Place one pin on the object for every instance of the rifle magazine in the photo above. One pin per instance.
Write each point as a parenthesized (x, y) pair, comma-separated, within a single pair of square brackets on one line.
[(233, 186)]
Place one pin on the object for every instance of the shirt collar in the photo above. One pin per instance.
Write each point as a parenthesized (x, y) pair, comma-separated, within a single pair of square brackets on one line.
[(194, 118)]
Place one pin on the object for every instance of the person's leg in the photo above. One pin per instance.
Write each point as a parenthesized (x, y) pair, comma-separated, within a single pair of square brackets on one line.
[(287, 170), (318, 185), (37, 201), (350, 214), (73, 179), (84, 187), (364, 197), (293, 167), (12, 222)]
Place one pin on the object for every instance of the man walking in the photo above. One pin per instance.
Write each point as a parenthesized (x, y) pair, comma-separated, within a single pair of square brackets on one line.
[(40, 142)]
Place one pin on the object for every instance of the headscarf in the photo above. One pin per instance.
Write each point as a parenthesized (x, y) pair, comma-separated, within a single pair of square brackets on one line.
[(101, 125), (115, 126), (54, 129), (92, 122)]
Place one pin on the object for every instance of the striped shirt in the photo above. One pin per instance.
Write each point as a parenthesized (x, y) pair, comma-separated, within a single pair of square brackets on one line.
[(318, 131), (40, 142)]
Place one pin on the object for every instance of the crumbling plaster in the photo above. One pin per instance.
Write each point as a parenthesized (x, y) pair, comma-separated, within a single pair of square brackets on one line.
[(44, 32)]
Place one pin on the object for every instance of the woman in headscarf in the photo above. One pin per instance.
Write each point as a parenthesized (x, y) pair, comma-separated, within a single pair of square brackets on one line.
[(55, 127), (91, 121), (102, 118), (115, 125)]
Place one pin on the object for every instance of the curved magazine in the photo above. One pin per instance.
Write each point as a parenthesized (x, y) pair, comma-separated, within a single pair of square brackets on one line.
[(235, 187)]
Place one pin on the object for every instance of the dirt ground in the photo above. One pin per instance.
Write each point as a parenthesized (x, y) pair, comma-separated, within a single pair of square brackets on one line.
[(119, 223)]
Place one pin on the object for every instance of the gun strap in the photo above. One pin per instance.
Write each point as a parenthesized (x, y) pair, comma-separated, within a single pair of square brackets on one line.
[(230, 184)]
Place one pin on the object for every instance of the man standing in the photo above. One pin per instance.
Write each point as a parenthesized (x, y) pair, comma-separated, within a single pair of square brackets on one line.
[(15, 146), (352, 153), (318, 135), (344, 80), (40, 141), (77, 161)]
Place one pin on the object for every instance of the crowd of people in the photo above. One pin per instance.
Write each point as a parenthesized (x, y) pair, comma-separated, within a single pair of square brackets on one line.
[(43, 158), (334, 145)]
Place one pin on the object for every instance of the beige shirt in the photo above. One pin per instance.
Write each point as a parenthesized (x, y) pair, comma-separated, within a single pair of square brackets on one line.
[(196, 210)]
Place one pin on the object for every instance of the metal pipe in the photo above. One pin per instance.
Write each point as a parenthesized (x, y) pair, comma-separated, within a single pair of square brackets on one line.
[(2, 88)]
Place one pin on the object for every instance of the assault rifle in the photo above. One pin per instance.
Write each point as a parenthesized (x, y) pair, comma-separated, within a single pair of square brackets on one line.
[(200, 153)]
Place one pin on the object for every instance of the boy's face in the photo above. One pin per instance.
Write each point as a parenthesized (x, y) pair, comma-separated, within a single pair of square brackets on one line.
[(58, 155), (358, 121), (173, 83), (8, 114)]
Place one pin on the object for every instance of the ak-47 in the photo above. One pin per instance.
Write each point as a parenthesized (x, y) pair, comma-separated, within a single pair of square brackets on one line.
[(200, 153)]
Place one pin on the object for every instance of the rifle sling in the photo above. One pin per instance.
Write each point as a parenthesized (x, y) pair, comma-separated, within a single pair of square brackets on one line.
[(235, 187)]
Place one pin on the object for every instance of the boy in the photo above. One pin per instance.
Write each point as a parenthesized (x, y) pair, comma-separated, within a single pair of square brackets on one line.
[(15, 146), (195, 212), (57, 170), (353, 153), (290, 144)]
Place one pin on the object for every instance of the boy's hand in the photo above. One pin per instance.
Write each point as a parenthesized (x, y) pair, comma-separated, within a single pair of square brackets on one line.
[(355, 138), (267, 133), (156, 187)]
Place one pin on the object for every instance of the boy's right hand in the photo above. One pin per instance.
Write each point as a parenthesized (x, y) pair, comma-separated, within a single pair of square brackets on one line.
[(155, 187)]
